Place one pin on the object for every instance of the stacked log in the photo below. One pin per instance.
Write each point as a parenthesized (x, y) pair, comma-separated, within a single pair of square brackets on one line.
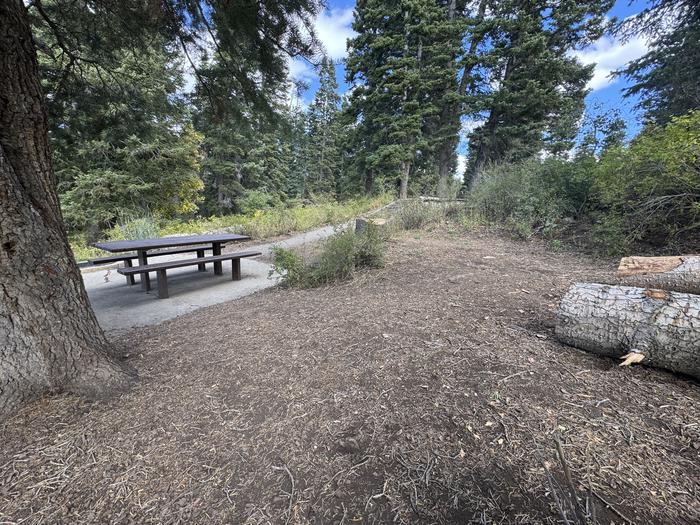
[(680, 273), (659, 327)]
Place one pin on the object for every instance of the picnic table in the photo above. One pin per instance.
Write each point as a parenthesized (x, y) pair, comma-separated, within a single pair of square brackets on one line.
[(143, 246)]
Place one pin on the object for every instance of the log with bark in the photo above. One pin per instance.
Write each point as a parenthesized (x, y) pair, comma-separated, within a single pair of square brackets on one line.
[(679, 274), (658, 327)]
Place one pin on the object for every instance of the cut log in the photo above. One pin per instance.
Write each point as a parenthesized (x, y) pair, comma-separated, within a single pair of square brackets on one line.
[(362, 222), (679, 274), (661, 328)]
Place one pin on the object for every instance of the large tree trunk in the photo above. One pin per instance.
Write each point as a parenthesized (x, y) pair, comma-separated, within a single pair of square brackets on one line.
[(680, 274), (662, 327), (49, 337)]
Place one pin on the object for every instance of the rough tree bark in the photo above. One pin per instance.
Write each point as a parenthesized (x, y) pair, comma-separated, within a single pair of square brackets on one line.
[(659, 327), (49, 337), (680, 274)]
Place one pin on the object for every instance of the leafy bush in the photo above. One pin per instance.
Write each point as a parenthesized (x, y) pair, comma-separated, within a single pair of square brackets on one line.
[(341, 256), (650, 191), (290, 266), (414, 215), (531, 197)]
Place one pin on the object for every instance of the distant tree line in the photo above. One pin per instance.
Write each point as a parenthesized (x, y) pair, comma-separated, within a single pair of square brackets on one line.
[(130, 137)]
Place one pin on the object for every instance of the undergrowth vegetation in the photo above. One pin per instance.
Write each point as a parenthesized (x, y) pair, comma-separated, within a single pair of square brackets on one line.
[(645, 196), (340, 257), (257, 223)]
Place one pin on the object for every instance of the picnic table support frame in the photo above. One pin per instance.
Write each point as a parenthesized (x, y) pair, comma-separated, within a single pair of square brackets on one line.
[(216, 250), (162, 284), (201, 267), (236, 269), (145, 277), (129, 278)]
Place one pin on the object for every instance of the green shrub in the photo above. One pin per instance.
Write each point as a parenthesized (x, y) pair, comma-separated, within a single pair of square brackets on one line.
[(338, 259), (145, 227), (650, 191), (415, 215), (531, 197), (341, 256), (290, 266), (370, 247), (255, 200)]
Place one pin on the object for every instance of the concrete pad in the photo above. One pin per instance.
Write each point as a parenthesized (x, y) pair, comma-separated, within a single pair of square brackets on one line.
[(119, 306)]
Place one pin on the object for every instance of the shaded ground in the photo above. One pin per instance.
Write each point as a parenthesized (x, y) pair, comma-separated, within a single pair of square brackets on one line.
[(427, 392)]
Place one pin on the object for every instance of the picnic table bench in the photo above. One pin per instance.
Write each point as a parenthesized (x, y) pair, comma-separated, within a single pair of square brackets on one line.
[(175, 245), (160, 268)]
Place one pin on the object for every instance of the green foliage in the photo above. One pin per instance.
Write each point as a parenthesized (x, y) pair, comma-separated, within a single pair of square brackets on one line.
[(532, 197), (323, 158), (665, 79), (341, 256), (255, 200), (646, 194), (290, 266), (108, 180), (650, 191), (526, 85), (402, 61), (145, 227)]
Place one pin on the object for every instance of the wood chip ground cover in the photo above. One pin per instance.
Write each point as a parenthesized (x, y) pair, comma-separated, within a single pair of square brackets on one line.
[(430, 391)]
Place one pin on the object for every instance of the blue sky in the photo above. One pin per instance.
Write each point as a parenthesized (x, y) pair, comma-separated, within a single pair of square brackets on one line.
[(609, 54)]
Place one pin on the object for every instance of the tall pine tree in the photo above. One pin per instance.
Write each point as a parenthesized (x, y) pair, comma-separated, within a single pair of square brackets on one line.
[(524, 83), (666, 78), (323, 144), (402, 64)]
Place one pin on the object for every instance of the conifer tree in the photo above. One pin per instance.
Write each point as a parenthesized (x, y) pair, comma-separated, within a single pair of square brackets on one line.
[(324, 159), (666, 77), (526, 86), (400, 62)]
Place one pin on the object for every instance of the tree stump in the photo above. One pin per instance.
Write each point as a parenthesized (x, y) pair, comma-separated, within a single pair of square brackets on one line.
[(679, 274), (362, 222), (661, 328)]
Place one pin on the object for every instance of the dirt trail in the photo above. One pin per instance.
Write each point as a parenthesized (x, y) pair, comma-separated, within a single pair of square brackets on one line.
[(427, 392)]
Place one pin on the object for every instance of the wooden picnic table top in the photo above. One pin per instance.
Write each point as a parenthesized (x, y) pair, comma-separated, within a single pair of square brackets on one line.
[(165, 242)]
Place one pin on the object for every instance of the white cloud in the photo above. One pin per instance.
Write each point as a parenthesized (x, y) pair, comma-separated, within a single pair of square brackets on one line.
[(300, 69), (609, 54), (469, 125), (333, 30)]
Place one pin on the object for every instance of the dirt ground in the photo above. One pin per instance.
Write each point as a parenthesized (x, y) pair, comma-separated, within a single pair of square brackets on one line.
[(431, 391)]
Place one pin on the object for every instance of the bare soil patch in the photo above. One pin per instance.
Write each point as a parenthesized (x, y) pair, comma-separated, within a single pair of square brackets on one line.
[(427, 392)]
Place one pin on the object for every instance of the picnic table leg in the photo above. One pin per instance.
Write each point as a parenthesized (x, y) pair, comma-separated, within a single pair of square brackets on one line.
[(216, 250), (236, 269), (129, 278), (162, 285), (145, 278), (201, 267)]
